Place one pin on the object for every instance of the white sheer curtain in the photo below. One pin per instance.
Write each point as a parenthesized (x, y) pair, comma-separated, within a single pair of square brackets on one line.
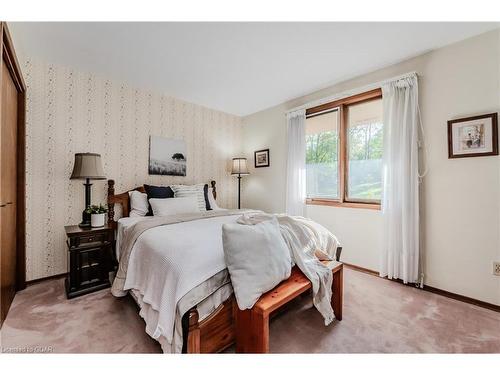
[(296, 163), (400, 207)]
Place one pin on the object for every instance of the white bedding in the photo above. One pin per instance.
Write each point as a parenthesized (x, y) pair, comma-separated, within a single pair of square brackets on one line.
[(158, 270), (180, 264), (123, 224)]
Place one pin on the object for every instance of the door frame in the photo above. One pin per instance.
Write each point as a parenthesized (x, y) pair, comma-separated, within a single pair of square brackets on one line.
[(10, 58)]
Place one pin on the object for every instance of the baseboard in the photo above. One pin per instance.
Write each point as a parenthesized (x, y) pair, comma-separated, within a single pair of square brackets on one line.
[(53, 277), (361, 269), (462, 298), (431, 289)]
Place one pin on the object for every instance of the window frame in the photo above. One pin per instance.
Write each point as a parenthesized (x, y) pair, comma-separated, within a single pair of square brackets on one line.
[(342, 104)]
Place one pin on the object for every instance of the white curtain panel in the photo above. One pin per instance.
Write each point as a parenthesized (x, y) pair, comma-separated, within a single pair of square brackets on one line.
[(400, 207), (296, 164)]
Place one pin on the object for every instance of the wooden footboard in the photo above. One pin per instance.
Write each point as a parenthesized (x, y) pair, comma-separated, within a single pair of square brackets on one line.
[(213, 334)]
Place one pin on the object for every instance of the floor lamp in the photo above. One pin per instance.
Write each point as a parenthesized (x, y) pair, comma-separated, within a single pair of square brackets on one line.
[(239, 168)]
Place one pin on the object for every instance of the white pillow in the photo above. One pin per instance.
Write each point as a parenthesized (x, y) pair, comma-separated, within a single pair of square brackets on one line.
[(211, 200), (257, 259), (138, 203), (174, 206), (197, 191)]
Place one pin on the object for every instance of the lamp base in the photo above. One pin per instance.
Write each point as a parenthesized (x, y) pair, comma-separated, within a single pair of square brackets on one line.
[(85, 220)]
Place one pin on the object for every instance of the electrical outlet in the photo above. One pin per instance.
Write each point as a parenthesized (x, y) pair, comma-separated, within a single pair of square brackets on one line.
[(496, 268)]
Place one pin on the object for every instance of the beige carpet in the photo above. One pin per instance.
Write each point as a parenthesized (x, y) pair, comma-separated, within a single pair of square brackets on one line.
[(379, 316)]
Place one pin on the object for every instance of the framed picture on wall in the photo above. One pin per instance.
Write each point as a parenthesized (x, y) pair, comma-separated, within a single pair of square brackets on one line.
[(261, 158), (473, 136), (167, 156)]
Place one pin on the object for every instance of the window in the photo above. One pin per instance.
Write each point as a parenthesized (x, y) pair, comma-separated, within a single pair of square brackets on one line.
[(322, 155), (344, 145), (364, 151)]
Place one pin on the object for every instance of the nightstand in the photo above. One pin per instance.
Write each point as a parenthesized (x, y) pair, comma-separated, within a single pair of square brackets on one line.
[(89, 259)]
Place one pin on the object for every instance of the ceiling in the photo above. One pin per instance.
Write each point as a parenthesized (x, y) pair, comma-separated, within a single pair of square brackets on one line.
[(239, 68)]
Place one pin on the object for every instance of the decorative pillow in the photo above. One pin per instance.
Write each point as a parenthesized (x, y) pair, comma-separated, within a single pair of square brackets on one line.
[(211, 200), (139, 205), (257, 259), (174, 206), (157, 192), (200, 191), (205, 195)]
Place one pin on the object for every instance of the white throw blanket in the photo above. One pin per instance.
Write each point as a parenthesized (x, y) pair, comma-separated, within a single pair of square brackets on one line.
[(309, 243)]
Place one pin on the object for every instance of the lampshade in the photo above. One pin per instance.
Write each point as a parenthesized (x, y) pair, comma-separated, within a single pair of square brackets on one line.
[(87, 165), (240, 166)]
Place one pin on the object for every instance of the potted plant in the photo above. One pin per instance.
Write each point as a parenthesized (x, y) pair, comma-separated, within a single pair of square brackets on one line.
[(97, 215)]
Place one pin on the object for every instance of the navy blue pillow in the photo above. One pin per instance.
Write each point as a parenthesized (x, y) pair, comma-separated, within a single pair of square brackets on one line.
[(160, 192), (205, 193)]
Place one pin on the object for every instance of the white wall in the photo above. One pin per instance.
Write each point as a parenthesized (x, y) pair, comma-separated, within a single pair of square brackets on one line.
[(461, 197)]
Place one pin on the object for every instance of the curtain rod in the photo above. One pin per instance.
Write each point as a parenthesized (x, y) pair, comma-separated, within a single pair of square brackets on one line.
[(351, 92)]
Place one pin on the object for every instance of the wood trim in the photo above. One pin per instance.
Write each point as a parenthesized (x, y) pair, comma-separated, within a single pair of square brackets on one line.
[(8, 49), (10, 58), (42, 279), (341, 105), (337, 203), (494, 130), (359, 98), (361, 269), (459, 297), (431, 289), (342, 154)]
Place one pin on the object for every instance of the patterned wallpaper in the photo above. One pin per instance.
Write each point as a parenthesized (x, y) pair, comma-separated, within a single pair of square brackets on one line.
[(70, 111)]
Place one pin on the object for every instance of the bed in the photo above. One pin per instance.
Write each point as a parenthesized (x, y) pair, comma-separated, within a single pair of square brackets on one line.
[(204, 320)]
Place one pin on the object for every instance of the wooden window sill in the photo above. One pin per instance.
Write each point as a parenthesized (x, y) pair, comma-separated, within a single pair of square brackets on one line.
[(333, 203)]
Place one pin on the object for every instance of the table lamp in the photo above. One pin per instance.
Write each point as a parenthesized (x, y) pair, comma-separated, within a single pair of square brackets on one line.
[(87, 167)]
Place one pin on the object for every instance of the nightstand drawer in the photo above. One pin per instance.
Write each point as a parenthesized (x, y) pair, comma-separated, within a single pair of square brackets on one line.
[(89, 239)]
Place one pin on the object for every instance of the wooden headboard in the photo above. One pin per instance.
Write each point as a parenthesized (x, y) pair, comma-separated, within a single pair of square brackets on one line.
[(123, 200)]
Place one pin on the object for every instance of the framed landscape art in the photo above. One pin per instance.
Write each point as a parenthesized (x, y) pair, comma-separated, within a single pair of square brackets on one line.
[(473, 136), (167, 156)]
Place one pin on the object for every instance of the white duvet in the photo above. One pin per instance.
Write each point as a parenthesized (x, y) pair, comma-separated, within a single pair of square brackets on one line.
[(168, 260)]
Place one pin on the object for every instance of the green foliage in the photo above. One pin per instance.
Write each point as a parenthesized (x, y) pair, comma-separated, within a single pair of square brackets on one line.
[(365, 147), (322, 148), (365, 141), (96, 209)]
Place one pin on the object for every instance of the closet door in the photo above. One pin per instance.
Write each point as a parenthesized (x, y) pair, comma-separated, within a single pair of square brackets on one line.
[(12, 175), (8, 162)]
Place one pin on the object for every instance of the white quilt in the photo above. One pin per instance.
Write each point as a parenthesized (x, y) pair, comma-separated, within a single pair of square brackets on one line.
[(168, 261)]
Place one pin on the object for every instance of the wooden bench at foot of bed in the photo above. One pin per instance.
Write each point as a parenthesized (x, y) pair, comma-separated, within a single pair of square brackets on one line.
[(252, 325)]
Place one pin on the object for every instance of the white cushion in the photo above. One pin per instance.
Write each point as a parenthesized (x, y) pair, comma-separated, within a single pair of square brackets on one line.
[(257, 259), (211, 200), (197, 191), (174, 206), (138, 203)]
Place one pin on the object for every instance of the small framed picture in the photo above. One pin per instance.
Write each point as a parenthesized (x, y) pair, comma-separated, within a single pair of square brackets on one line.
[(473, 136), (261, 158)]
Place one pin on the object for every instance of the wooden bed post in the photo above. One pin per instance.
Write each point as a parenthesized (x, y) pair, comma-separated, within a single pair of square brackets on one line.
[(111, 204), (193, 341), (338, 293)]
